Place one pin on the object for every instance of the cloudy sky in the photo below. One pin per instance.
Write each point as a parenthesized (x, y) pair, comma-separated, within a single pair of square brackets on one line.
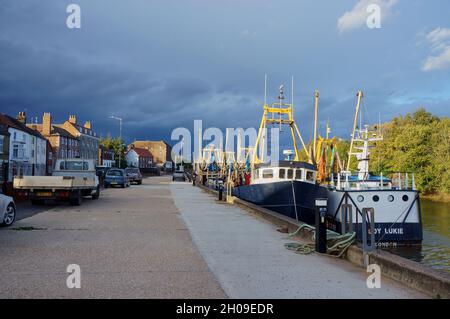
[(162, 64)]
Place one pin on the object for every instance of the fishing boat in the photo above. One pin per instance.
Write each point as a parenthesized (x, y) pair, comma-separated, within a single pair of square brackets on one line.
[(391, 204), (289, 186)]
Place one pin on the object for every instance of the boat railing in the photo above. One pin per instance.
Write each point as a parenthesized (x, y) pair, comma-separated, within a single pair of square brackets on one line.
[(348, 180)]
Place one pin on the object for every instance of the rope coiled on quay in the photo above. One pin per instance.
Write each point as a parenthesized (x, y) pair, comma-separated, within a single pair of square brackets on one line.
[(337, 244)]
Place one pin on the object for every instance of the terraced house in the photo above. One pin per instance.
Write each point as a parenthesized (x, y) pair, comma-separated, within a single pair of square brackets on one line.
[(27, 153), (88, 139), (63, 143), (4, 156)]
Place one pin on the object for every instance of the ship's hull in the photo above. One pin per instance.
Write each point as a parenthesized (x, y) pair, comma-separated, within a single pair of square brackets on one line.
[(396, 223), (397, 214), (294, 199)]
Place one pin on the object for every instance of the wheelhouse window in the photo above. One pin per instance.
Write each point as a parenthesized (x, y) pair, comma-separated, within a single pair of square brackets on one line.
[(282, 173), (290, 173), (298, 174), (310, 176), (267, 173)]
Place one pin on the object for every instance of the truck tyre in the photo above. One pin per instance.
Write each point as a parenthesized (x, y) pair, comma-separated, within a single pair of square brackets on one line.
[(75, 201), (96, 195)]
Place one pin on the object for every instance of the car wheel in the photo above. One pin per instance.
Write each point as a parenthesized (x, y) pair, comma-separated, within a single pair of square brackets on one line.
[(123, 185), (10, 216)]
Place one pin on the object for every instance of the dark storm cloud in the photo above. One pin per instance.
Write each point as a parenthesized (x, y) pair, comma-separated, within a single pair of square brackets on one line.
[(162, 64)]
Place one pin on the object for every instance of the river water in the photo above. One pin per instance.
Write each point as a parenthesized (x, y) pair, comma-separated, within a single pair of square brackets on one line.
[(435, 250)]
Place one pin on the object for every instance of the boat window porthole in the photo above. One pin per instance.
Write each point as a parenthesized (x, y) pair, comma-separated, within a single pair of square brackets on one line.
[(376, 198), (390, 198), (360, 198), (405, 198)]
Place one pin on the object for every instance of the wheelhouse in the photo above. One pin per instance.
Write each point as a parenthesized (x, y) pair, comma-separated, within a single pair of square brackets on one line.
[(285, 171)]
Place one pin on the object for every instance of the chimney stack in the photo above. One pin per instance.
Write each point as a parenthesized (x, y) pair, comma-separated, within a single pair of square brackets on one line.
[(73, 119), (47, 124), (88, 125), (22, 118)]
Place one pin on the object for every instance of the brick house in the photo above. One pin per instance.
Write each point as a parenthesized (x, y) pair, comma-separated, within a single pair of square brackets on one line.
[(63, 143), (89, 140), (160, 150)]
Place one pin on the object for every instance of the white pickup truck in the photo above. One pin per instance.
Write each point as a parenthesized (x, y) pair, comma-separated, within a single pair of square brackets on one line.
[(72, 179)]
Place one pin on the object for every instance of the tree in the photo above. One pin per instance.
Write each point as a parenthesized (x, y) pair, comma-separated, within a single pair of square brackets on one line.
[(418, 143), (118, 146)]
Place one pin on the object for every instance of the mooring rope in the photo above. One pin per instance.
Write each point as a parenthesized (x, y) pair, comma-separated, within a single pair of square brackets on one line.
[(337, 244)]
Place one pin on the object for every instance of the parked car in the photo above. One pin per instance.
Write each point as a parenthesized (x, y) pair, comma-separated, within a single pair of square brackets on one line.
[(116, 177), (7, 210), (134, 174), (179, 174)]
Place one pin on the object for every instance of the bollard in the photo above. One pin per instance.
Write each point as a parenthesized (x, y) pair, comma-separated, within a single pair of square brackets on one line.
[(220, 193), (321, 230)]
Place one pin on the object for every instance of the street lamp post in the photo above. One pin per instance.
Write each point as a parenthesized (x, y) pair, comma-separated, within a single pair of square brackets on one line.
[(120, 137)]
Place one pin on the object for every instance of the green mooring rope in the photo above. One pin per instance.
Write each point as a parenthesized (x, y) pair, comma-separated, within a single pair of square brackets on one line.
[(337, 244)]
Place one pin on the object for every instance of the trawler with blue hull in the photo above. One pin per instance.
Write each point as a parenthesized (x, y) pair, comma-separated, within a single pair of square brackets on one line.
[(290, 186)]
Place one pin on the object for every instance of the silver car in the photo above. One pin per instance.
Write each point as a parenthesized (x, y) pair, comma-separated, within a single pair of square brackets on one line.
[(7, 210)]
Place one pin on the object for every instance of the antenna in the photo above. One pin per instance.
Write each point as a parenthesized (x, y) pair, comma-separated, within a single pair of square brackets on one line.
[(292, 94), (265, 89)]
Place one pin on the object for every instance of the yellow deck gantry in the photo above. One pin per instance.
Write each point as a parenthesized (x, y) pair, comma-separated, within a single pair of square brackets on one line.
[(278, 113)]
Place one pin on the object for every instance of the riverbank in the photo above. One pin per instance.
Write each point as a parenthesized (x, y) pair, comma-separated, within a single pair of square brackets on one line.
[(439, 197)]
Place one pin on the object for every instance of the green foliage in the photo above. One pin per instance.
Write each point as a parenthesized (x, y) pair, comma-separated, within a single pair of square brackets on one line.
[(418, 143), (118, 146)]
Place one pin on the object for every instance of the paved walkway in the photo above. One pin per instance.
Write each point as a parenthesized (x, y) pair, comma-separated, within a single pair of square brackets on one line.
[(247, 256)]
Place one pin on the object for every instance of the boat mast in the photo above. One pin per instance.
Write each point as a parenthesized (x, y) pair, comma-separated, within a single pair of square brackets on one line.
[(355, 121), (316, 115)]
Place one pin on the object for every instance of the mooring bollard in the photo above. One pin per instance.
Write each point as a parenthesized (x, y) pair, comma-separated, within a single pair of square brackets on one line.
[(321, 230), (220, 193)]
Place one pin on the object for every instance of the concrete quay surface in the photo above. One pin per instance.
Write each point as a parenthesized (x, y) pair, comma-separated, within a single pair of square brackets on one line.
[(247, 255), (167, 240)]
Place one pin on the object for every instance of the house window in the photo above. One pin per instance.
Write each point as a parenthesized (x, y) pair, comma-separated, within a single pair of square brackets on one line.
[(15, 151), (15, 136)]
